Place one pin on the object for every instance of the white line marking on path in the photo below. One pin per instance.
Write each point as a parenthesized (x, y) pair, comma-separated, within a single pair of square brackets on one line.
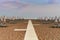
[(30, 33), (20, 29)]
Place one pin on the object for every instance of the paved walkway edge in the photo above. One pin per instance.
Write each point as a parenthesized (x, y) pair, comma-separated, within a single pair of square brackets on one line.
[(30, 32)]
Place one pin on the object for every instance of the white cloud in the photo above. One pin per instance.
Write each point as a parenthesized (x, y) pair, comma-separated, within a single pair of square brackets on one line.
[(42, 10), (8, 6), (33, 10), (12, 5)]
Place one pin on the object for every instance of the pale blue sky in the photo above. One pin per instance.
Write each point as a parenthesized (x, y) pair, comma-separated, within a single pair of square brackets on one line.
[(8, 11), (34, 1), (41, 1)]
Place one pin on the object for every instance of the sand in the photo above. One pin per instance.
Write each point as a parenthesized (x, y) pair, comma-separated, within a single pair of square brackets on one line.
[(44, 32), (8, 33)]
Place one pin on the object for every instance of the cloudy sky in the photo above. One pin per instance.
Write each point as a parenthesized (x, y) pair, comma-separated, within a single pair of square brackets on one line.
[(30, 8)]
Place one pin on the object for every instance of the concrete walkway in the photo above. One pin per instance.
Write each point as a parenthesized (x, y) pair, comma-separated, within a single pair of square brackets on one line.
[(19, 29), (30, 32)]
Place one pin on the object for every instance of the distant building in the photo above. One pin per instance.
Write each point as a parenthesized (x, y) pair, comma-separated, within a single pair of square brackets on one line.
[(46, 18), (3, 19), (13, 18), (56, 19)]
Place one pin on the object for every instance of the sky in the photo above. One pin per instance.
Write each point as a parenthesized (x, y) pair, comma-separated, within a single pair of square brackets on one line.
[(30, 8), (40, 1)]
